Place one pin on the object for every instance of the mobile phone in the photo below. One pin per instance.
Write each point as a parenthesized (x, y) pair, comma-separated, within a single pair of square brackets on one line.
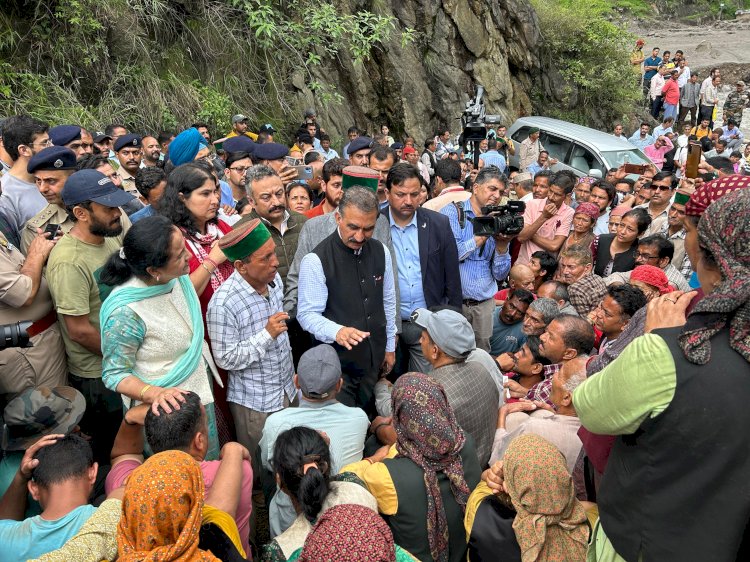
[(634, 168), (293, 161), (53, 229), (693, 160), (304, 172)]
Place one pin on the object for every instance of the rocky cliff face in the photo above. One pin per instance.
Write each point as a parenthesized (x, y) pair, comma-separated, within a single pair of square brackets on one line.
[(422, 86)]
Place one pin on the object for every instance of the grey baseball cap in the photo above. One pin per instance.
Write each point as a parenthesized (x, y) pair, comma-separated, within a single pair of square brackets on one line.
[(41, 411), (450, 331), (319, 370)]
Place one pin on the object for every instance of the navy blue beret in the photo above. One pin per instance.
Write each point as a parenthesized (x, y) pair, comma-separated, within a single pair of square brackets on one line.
[(124, 141), (270, 151), (52, 158), (359, 143), (64, 134)]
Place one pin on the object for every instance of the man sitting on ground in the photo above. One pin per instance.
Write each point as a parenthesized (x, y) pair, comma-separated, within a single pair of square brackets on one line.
[(507, 328), (615, 311), (558, 292), (59, 472), (560, 428), (658, 251), (319, 380), (528, 368), (182, 429), (544, 266), (520, 277), (447, 340)]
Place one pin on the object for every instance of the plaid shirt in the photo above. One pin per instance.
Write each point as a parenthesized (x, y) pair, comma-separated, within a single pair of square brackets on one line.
[(260, 367), (543, 389), (586, 293)]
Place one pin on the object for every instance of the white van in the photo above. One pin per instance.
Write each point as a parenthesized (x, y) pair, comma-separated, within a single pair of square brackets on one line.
[(585, 151)]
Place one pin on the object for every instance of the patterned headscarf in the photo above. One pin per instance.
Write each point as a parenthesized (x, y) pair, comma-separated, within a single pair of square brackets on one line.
[(713, 190), (587, 179), (349, 532), (162, 511), (427, 433), (724, 230), (652, 275), (550, 522), (588, 209)]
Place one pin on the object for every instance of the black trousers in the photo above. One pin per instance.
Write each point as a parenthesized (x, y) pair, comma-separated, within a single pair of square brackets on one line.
[(103, 415)]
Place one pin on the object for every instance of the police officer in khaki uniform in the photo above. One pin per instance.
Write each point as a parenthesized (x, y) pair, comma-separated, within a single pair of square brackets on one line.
[(50, 168), (128, 151), (24, 296)]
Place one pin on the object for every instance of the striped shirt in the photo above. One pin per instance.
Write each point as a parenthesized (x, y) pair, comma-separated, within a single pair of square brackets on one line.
[(480, 267), (260, 367)]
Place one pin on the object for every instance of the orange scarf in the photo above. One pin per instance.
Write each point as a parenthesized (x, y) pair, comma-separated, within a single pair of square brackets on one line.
[(161, 511)]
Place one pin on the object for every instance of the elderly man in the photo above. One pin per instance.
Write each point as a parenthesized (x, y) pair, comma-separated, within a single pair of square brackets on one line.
[(558, 423), (585, 288), (247, 329), (347, 297), (265, 191), (558, 292), (483, 260), (538, 315), (447, 340)]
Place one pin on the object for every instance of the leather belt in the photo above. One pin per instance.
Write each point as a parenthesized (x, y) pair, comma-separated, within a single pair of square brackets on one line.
[(42, 324), (472, 302)]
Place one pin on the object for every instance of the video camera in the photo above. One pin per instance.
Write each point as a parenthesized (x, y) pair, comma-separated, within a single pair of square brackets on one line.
[(14, 335), (500, 219), (474, 121)]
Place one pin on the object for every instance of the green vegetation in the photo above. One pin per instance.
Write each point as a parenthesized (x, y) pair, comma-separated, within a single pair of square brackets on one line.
[(591, 55), (158, 64)]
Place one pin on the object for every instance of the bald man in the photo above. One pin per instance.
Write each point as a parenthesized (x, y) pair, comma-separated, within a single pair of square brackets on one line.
[(520, 277)]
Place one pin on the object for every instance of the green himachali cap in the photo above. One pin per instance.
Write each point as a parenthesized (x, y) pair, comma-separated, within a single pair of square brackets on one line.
[(242, 241), (359, 175)]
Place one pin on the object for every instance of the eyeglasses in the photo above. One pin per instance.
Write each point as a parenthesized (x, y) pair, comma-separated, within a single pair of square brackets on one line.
[(641, 255), (44, 143), (240, 169), (661, 187)]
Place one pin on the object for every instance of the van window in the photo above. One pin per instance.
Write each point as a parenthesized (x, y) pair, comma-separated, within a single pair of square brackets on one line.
[(556, 146), (521, 134), (583, 160)]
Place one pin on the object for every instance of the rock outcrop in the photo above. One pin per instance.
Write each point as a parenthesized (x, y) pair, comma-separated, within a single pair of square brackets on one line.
[(417, 88)]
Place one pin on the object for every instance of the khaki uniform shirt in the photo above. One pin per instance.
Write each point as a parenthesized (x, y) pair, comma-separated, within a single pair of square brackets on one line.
[(43, 364), (128, 182), (54, 214)]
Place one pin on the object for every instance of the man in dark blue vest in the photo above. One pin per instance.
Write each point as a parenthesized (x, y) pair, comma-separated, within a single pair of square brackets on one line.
[(347, 297)]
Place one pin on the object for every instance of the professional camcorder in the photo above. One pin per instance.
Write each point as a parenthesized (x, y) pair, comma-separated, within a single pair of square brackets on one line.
[(474, 121), (14, 335), (500, 219)]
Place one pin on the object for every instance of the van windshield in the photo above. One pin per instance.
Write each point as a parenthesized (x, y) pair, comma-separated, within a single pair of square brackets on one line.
[(616, 158)]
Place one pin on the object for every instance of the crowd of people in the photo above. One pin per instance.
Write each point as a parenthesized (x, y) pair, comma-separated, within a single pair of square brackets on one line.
[(235, 349)]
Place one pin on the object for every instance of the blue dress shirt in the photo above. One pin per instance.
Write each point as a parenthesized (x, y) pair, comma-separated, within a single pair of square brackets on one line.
[(405, 242), (480, 267)]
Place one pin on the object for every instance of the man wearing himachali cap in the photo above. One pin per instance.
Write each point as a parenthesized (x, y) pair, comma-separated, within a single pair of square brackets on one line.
[(248, 332)]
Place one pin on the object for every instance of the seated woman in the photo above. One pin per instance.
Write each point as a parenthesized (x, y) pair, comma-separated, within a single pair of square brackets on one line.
[(616, 252), (164, 516), (152, 327), (302, 463), (584, 219), (525, 508), (422, 482), (351, 532)]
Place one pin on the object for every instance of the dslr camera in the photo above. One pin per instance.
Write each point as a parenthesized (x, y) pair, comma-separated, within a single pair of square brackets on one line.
[(500, 219)]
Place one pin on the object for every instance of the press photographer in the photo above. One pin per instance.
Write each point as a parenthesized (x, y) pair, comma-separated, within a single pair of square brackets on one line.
[(483, 248)]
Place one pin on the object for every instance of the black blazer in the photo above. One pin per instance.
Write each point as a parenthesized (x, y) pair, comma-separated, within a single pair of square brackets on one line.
[(438, 258), (624, 261)]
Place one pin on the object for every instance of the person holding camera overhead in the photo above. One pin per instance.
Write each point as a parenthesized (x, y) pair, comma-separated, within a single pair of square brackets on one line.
[(547, 221), (483, 260)]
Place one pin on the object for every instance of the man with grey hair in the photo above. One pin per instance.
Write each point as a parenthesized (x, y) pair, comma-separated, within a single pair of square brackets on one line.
[(265, 191), (538, 316), (483, 260), (558, 424), (347, 297), (559, 293)]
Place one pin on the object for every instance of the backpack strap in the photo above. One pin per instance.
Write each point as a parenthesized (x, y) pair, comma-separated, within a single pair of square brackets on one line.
[(459, 205)]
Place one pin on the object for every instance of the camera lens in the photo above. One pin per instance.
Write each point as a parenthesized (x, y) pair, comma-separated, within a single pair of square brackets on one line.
[(14, 335)]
